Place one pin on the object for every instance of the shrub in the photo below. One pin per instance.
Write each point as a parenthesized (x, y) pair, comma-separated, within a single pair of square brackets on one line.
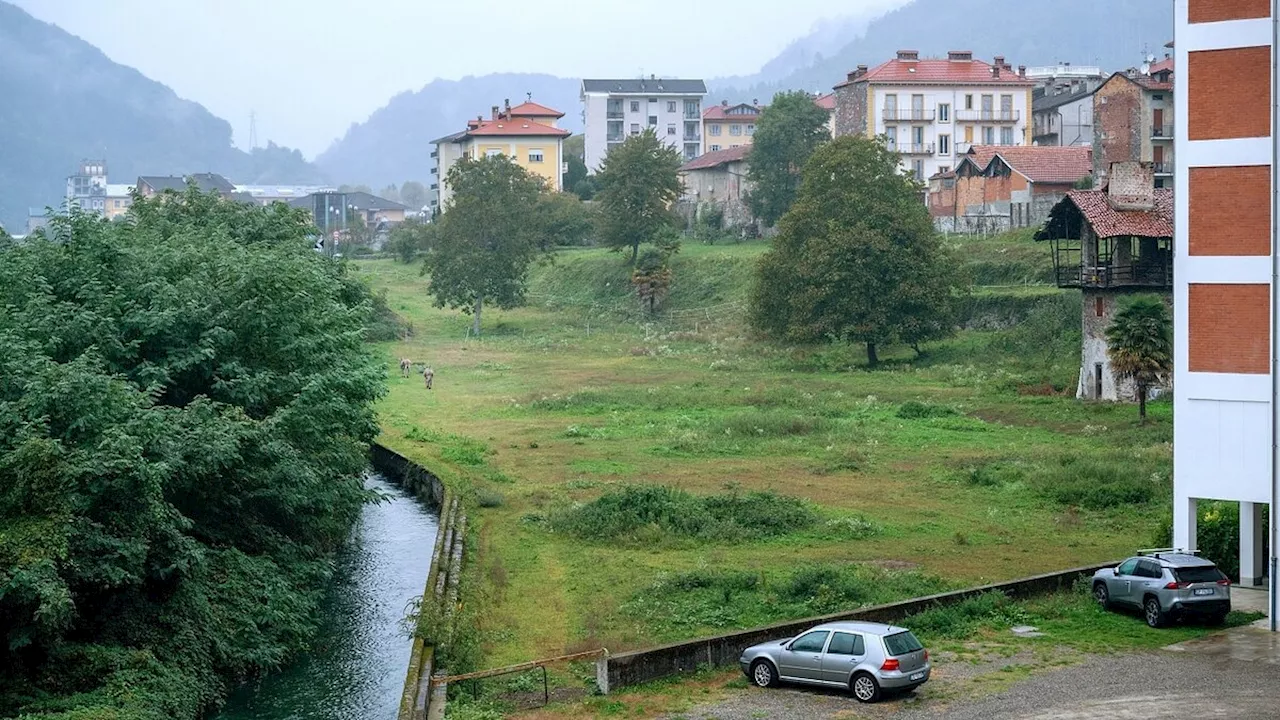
[(1097, 483), (963, 618), (771, 424), (915, 410), (489, 499)]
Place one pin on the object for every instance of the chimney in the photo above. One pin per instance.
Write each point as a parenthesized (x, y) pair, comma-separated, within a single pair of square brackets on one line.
[(960, 55), (494, 110), (507, 104), (724, 103), (995, 70), (1022, 71), (999, 61), (908, 55), (1131, 186), (755, 102), (857, 73)]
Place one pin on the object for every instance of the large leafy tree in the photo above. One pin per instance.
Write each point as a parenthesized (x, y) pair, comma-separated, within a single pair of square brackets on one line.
[(787, 133), (413, 194), (639, 180), (856, 258), (1140, 346), (487, 236), (185, 406)]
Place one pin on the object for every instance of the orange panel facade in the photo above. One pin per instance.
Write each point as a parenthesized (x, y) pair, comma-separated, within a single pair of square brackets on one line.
[(1229, 93), (1229, 328), (1202, 11), (1230, 210)]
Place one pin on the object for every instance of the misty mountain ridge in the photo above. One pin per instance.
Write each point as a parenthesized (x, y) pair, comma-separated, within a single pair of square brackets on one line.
[(62, 100)]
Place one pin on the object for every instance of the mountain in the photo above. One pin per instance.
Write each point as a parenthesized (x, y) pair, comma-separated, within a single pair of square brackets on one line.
[(62, 100), (394, 144), (1111, 33), (826, 38)]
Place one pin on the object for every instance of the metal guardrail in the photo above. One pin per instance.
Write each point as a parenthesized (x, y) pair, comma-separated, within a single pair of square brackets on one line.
[(521, 667), (992, 116), (908, 114)]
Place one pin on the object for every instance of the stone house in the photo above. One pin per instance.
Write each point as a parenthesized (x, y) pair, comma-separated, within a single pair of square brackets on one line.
[(1133, 116), (996, 188), (718, 180), (1110, 243)]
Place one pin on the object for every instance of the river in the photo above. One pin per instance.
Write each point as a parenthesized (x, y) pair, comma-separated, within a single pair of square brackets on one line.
[(356, 669)]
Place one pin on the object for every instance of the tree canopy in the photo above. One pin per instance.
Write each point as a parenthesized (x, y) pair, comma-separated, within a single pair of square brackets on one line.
[(856, 258), (413, 194), (787, 133), (1140, 346), (487, 237), (639, 180), (186, 400)]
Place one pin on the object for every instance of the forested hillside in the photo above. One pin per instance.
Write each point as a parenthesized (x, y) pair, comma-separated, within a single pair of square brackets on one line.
[(62, 100)]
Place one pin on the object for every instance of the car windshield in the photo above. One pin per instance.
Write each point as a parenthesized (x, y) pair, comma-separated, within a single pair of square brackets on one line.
[(1200, 574), (902, 643)]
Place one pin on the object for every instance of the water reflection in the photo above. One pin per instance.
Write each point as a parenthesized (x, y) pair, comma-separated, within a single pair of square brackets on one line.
[(356, 669)]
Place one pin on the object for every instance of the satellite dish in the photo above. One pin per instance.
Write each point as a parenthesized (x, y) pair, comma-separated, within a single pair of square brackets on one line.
[(1145, 69)]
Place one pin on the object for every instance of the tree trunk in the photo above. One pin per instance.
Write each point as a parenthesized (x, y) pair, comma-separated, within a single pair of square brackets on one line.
[(475, 315), (1142, 403), (872, 358), (635, 252)]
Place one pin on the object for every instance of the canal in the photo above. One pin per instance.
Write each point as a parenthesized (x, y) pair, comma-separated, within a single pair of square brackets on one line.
[(356, 669)]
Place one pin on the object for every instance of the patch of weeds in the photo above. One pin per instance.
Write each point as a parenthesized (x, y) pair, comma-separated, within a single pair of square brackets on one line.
[(835, 460), (417, 434), (488, 499), (464, 451), (496, 476), (771, 424), (602, 467), (916, 410), (854, 527), (580, 484), (492, 366), (582, 431), (1098, 483), (963, 619)]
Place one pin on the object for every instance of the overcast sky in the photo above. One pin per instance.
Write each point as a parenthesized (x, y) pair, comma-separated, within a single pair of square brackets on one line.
[(309, 68)]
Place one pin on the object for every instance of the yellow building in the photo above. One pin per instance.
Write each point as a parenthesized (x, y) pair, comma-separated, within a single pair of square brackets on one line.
[(726, 126), (526, 133)]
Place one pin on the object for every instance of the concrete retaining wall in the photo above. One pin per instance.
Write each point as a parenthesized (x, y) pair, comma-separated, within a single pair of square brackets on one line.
[(632, 668)]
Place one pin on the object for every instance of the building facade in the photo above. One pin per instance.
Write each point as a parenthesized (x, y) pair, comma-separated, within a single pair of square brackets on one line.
[(726, 126), (997, 188), (932, 111), (1062, 104), (1224, 321), (1133, 121), (527, 133), (717, 179), (613, 110)]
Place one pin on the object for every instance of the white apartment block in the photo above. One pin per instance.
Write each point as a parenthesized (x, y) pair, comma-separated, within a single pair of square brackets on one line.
[(612, 110), (932, 111)]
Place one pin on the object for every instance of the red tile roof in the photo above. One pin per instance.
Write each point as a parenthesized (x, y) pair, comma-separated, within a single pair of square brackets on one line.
[(826, 102), (504, 128), (1165, 64), (1038, 163), (533, 109), (720, 112), (1110, 222), (716, 158), (939, 72)]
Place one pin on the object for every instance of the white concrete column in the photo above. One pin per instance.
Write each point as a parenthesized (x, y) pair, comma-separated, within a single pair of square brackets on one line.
[(1253, 560), (1184, 523)]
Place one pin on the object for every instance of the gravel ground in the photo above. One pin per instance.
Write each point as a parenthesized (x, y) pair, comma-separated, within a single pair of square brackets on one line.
[(1158, 685)]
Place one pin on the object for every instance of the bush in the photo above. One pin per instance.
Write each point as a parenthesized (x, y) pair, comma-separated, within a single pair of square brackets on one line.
[(1098, 484), (488, 499), (963, 618), (771, 424), (1217, 534), (914, 410), (654, 511)]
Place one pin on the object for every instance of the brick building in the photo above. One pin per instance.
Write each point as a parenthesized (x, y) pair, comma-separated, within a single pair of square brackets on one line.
[(996, 188), (1133, 114), (1224, 340), (1108, 244)]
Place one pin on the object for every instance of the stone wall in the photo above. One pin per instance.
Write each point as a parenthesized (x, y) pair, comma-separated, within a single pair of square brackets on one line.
[(1098, 310), (1118, 127), (851, 109)]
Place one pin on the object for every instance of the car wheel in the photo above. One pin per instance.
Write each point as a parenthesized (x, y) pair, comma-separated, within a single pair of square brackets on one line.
[(1154, 614), (1101, 596), (865, 688), (763, 674)]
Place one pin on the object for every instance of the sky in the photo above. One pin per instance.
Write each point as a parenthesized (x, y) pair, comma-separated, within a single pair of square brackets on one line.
[(308, 69)]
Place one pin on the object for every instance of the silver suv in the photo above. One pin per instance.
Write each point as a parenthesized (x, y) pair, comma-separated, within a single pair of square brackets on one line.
[(1166, 585), (865, 658)]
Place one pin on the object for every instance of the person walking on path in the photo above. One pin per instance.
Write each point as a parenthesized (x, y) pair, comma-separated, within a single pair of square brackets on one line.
[(428, 375)]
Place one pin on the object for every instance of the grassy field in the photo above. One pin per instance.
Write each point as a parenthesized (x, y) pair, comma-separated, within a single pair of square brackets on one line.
[(813, 484)]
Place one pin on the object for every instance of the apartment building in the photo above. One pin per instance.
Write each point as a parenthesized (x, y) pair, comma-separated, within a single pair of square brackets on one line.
[(1133, 121), (1062, 103), (612, 110), (528, 133), (726, 126), (932, 110), (1225, 385)]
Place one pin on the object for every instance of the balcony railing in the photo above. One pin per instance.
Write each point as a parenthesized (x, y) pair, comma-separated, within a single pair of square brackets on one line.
[(1154, 275), (907, 115), (1163, 132), (695, 137), (991, 116), (435, 154), (915, 149), (692, 114), (615, 137), (1162, 168)]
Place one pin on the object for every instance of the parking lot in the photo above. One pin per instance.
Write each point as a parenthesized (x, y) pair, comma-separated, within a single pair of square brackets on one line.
[(1227, 674)]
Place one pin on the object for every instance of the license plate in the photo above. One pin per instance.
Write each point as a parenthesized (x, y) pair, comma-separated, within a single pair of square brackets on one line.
[(1202, 591), (917, 676)]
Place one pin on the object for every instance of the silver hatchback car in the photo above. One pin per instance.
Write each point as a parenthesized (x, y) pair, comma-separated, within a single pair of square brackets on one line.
[(1166, 585), (866, 658)]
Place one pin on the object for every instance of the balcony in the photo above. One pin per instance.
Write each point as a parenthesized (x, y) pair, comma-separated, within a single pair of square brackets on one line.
[(435, 154), (1162, 168), (1150, 275), (1161, 132), (988, 116), (907, 115), (915, 149), (692, 137), (615, 137), (435, 171)]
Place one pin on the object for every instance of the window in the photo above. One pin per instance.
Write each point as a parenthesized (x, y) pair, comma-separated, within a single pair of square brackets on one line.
[(988, 106), (917, 169), (1006, 136), (635, 106), (635, 128), (751, 130), (1157, 96), (653, 121), (968, 102), (671, 128), (691, 109), (891, 107), (715, 148), (1200, 574), (115, 204), (988, 136), (715, 130), (891, 133), (735, 130), (1006, 107), (917, 136), (944, 169), (614, 108), (944, 112), (902, 643), (847, 644), (1097, 395), (1149, 569), (535, 155), (653, 101), (1099, 307), (810, 642), (671, 106), (492, 152), (944, 145)]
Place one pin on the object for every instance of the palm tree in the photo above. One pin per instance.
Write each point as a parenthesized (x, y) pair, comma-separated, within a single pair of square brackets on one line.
[(1140, 345)]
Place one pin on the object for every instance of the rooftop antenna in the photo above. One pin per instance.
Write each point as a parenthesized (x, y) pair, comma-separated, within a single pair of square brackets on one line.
[(253, 130), (529, 96)]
